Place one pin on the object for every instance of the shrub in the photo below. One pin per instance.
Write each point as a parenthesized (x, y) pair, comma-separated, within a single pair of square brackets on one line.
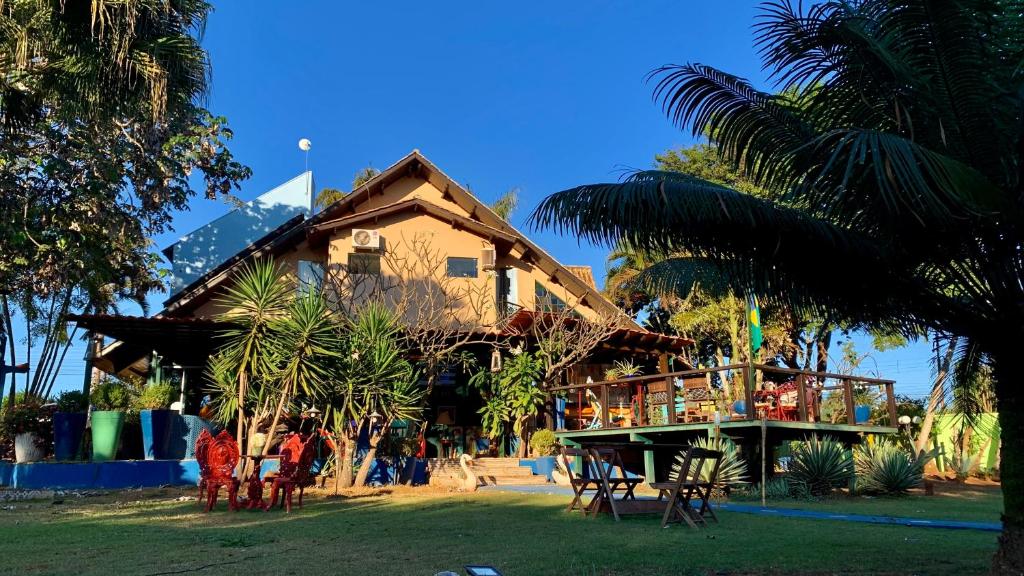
[(28, 416), (110, 395), (543, 443), (886, 468), (72, 401), (732, 472), (156, 396), (819, 466)]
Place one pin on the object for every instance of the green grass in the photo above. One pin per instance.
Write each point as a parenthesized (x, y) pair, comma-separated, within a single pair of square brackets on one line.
[(422, 532)]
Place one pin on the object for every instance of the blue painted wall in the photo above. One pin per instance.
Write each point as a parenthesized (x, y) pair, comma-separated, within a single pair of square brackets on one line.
[(200, 251)]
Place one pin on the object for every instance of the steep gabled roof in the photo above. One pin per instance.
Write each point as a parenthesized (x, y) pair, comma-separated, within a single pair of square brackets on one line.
[(414, 165)]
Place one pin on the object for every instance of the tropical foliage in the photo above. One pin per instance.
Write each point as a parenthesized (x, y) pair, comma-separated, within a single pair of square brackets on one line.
[(512, 396), (156, 396), (893, 165), (732, 470), (544, 443), (819, 466), (886, 468)]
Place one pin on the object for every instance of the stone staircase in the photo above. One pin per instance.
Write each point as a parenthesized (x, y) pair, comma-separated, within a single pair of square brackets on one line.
[(489, 472)]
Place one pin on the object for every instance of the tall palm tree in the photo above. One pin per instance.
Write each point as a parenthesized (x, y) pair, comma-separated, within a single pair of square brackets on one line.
[(258, 296), (894, 160)]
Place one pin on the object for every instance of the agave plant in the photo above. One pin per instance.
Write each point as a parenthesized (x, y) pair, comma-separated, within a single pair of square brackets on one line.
[(885, 468), (819, 466), (732, 472)]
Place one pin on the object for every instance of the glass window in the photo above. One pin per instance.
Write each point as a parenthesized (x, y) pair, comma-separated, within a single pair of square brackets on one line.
[(461, 267), (545, 300), (359, 263), (311, 276)]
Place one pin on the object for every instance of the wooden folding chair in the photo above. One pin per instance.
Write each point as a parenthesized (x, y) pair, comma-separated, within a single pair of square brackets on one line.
[(689, 483), (589, 481)]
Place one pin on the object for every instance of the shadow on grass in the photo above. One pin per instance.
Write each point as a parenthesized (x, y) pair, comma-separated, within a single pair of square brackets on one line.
[(409, 533)]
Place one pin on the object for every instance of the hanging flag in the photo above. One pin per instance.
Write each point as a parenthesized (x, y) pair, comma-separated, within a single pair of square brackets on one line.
[(754, 324)]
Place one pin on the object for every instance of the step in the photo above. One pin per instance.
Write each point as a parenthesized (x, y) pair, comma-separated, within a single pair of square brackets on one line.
[(485, 480)]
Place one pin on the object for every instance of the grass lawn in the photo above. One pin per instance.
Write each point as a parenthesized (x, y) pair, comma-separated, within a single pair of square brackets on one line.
[(422, 531)]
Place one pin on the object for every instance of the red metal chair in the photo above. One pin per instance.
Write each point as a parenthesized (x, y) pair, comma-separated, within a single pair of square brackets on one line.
[(202, 446), (222, 459), (297, 455)]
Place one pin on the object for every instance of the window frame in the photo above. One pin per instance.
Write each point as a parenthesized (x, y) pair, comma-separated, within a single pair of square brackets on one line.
[(464, 260), (364, 271)]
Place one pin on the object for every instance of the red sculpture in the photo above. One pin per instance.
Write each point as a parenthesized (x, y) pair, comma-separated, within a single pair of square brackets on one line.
[(202, 445), (221, 460), (294, 472)]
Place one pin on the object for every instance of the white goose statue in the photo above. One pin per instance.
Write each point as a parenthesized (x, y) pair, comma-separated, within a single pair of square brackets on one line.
[(562, 473), (469, 483)]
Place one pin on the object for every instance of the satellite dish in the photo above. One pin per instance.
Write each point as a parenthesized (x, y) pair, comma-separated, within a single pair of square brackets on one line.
[(305, 144)]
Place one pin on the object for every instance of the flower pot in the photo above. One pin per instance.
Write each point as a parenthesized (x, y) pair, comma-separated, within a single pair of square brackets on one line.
[(68, 429), (106, 434), (861, 413), (26, 448), (156, 433), (739, 407)]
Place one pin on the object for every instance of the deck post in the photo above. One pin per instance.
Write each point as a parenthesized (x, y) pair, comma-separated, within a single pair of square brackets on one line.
[(851, 416), (672, 405), (605, 421), (801, 401), (641, 404), (890, 400), (748, 390), (649, 469)]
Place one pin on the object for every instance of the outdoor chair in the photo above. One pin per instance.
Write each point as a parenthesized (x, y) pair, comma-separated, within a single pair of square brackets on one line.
[(297, 455), (202, 446), (700, 401), (690, 483), (612, 475), (589, 481), (221, 460)]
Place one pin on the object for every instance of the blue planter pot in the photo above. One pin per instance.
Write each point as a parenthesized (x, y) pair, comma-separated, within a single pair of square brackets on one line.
[(156, 433), (862, 414), (739, 407), (68, 429)]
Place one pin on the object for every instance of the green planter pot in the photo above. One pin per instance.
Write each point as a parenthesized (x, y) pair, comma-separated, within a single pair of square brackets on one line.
[(106, 434)]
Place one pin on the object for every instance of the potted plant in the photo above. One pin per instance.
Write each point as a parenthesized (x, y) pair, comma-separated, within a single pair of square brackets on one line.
[(110, 400), (28, 424), (544, 446), (157, 421), (69, 424)]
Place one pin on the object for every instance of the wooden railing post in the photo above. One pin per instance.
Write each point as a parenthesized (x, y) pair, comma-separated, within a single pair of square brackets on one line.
[(890, 400), (671, 386), (801, 401), (748, 390), (605, 421), (851, 416), (641, 404)]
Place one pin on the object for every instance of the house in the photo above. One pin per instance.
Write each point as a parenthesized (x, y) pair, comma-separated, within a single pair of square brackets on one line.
[(413, 227)]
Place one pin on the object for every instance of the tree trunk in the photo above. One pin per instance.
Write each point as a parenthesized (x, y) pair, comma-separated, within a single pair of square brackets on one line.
[(1009, 557), (345, 469), (339, 452), (935, 398), (240, 428), (274, 423), (371, 454)]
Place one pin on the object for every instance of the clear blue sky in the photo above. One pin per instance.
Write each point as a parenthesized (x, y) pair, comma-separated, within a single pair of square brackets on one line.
[(498, 95)]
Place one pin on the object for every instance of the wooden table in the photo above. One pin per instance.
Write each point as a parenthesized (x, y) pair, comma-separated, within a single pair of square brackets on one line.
[(628, 505)]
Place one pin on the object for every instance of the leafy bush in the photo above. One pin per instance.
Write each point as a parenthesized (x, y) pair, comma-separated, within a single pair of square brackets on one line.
[(28, 416), (819, 466), (110, 395), (732, 472), (778, 488), (72, 401), (543, 443), (156, 396), (885, 468)]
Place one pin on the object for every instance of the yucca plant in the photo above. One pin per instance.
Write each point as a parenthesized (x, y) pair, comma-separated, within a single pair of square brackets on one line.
[(732, 472), (885, 468), (819, 466)]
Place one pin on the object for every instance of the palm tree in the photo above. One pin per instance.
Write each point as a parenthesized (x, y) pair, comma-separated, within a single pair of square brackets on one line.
[(894, 166), (506, 204), (258, 296)]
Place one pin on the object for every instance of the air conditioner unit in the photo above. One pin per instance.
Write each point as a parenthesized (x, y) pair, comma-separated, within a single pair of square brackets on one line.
[(488, 258), (366, 239)]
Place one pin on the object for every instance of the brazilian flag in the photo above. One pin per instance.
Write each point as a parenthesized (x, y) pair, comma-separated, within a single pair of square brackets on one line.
[(754, 323)]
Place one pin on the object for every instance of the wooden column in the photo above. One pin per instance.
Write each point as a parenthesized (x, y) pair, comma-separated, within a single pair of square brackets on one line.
[(641, 404), (801, 401), (605, 421), (851, 416), (671, 386), (748, 390), (890, 400)]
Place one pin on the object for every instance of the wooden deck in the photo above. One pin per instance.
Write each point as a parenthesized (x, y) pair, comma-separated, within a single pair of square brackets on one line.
[(740, 430)]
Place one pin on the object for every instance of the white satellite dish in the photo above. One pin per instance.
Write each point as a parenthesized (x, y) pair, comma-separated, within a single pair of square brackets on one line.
[(305, 144)]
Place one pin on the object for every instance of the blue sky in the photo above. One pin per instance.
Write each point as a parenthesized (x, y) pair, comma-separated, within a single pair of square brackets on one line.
[(498, 95)]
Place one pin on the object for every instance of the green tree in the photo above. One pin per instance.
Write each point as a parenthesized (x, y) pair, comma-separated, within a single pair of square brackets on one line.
[(506, 204), (894, 164), (102, 138)]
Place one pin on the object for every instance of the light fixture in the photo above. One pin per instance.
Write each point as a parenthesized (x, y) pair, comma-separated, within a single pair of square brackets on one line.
[(916, 420), (904, 420), (482, 571), (495, 361)]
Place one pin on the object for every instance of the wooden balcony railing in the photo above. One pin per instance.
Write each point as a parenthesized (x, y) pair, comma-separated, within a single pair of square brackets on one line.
[(729, 393)]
